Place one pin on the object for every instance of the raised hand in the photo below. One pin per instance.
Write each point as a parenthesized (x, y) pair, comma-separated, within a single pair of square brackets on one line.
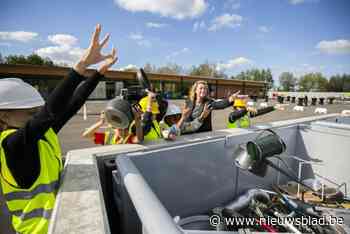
[(233, 96), (93, 54), (137, 112), (102, 117), (252, 110), (206, 112), (186, 112)]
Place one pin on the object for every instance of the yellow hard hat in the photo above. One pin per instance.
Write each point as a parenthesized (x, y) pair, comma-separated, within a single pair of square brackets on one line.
[(143, 103), (240, 103)]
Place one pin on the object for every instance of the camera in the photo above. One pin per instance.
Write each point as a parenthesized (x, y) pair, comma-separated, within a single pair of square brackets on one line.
[(132, 94)]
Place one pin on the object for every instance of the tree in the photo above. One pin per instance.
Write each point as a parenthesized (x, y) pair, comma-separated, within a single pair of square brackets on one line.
[(339, 83), (1, 59), (287, 81), (269, 78), (32, 59), (346, 83), (170, 68), (335, 83), (256, 75), (313, 82), (149, 68), (207, 69)]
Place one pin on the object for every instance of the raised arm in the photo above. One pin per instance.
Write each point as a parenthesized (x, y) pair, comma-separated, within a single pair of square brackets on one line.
[(92, 56), (90, 131), (218, 104)]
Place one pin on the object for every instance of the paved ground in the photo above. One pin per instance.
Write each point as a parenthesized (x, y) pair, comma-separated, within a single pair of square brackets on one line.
[(70, 135)]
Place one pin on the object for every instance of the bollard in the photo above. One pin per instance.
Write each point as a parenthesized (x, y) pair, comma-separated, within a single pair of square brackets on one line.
[(280, 99), (330, 100), (84, 112), (321, 101), (300, 101), (293, 99), (313, 101)]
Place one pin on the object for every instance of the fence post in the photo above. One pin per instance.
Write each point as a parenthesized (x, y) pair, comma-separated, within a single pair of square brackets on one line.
[(84, 112)]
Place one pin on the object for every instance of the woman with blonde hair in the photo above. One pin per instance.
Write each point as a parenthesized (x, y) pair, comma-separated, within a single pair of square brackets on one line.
[(198, 108)]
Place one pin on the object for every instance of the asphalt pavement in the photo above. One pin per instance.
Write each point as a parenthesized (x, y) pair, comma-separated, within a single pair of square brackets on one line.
[(70, 136)]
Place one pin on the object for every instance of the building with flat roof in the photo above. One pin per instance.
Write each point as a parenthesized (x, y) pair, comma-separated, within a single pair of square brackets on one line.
[(45, 78)]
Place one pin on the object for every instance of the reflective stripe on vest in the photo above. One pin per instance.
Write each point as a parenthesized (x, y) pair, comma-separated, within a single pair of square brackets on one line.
[(243, 122), (30, 209), (110, 137), (154, 133)]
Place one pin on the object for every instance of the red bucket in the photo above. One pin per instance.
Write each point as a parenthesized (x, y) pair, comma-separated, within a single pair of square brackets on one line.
[(99, 138)]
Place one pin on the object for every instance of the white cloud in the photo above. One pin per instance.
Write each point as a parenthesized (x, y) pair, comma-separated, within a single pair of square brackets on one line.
[(233, 63), (140, 40), (264, 29), (61, 54), (198, 25), (155, 25), (341, 46), (177, 53), (226, 20), (296, 2), (64, 51), (18, 36), (128, 67), (179, 9), (63, 39)]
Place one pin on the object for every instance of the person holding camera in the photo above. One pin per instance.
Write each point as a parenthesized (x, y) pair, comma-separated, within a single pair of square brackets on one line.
[(30, 153), (153, 111), (241, 115), (198, 108)]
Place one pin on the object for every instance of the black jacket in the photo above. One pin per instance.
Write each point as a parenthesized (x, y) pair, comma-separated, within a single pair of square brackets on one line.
[(216, 104), (237, 114), (21, 148)]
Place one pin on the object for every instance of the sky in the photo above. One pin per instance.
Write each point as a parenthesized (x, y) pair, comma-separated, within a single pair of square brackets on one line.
[(298, 36)]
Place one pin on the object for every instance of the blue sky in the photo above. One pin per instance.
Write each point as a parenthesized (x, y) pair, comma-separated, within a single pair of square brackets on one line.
[(299, 36)]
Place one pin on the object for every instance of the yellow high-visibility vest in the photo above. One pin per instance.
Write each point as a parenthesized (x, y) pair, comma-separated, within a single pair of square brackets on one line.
[(29, 210), (154, 133), (243, 122), (111, 139)]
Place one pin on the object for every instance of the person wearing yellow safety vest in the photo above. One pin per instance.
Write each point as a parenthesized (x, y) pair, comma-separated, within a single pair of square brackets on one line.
[(150, 121), (30, 154), (240, 117), (132, 134)]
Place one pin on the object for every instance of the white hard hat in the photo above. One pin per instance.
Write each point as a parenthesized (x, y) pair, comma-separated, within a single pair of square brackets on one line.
[(16, 94), (172, 110)]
